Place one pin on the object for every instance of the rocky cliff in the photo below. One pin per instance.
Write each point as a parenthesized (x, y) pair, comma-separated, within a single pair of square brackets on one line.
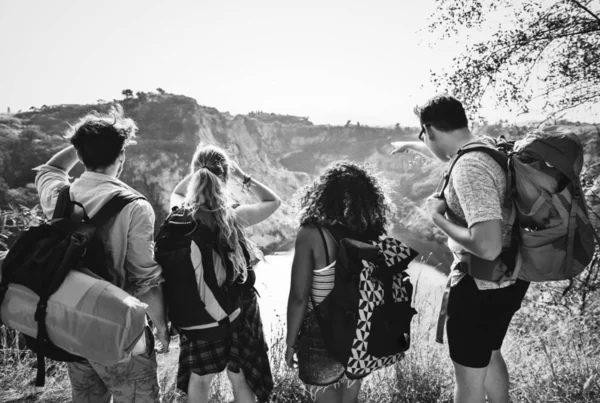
[(283, 151)]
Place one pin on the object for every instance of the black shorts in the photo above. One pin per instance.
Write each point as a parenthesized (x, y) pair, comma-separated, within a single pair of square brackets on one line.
[(478, 320)]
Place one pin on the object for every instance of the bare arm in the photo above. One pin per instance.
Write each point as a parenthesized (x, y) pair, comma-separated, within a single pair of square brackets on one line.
[(144, 274), (66, 159), (483, 239), (477, 192), (416, 146), (269, 202), (249, 214), (302, 275), (156, 310), (178, 195), (53, 176)]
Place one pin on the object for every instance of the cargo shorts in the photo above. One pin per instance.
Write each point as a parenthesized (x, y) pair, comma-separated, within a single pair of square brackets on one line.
[(134, 380)]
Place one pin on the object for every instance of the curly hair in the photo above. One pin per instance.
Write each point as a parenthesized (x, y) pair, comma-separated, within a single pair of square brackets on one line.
[(346, 193)]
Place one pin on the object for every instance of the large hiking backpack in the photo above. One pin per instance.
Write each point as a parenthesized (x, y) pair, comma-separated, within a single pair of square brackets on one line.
[(189, 253), (365, 319), (552, 236), (43, 255)]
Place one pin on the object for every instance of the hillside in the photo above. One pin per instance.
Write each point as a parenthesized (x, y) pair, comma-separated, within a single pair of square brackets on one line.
[(283, 151)]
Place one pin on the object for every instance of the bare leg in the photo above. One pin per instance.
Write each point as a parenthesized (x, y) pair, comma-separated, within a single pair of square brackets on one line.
[(329, 395), (241, 390), (496, 380), (470, 384), (350, 394), (199, 388)]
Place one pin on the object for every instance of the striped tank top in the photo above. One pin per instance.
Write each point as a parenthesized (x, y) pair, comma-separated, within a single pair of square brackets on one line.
[(324, 279), (322, 284)]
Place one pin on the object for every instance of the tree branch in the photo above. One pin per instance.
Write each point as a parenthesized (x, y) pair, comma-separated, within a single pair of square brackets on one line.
[(586, 9)]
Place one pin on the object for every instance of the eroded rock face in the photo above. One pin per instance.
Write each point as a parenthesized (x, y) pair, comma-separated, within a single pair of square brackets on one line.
[(285, 152)]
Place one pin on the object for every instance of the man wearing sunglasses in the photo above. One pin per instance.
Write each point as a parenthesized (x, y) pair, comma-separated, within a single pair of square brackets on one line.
[(471, 214)]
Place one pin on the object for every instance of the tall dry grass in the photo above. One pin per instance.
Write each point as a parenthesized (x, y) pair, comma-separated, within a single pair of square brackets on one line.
[(552, 357)]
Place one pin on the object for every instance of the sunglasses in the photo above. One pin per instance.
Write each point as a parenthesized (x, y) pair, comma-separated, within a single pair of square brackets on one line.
[(421, 135)]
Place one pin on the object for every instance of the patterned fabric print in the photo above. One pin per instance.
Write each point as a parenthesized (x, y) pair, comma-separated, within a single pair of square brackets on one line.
[(246, 350), (371, 292), (393, 250)]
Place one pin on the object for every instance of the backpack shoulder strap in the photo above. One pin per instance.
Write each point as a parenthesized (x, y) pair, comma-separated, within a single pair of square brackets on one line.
[(63, 206), (114, 206), (324, 244), (499, 156)]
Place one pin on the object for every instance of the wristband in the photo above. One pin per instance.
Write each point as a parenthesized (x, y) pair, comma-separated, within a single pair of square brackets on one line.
[(246, 183)]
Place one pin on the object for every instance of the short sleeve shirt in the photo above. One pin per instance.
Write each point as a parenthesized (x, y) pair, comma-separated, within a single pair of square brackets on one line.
[(475, 194)]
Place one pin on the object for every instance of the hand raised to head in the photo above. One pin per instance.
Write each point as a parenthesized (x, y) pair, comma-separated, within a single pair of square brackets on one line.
[(235, 171)]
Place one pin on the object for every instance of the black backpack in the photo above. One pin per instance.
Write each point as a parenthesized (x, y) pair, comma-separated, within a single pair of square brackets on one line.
[(43, 255), (365, 319), (174, 243)]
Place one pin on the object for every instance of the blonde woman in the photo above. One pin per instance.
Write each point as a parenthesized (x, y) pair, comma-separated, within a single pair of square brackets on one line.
[(204, 197)]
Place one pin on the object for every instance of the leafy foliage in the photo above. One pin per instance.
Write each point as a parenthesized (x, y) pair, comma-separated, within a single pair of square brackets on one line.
[(543, 50), (15, 220)]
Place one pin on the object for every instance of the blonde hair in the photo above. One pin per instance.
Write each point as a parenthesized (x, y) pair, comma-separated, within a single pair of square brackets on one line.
[(207, 191)]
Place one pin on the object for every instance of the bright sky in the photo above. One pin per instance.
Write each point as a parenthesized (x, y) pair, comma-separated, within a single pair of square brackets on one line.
[(330, 60)]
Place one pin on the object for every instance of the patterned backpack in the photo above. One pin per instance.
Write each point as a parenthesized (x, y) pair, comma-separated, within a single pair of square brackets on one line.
[(365, 319)]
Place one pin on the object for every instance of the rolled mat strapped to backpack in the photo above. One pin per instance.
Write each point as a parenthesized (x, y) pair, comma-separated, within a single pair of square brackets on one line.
[(86, 317), (41, 276)]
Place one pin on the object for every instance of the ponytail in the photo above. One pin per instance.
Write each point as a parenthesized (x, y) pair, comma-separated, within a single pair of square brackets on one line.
[(207, 191)]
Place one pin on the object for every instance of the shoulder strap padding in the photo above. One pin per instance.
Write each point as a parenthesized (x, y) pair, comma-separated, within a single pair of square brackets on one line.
[(324, 244), (63, 207), (113, 207), (499, 156)]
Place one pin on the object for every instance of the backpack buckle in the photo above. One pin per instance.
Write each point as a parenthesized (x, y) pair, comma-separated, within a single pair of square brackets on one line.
[(40, 313)]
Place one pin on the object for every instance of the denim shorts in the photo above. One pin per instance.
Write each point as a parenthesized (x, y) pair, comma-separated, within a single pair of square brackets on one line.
[(315, 366)]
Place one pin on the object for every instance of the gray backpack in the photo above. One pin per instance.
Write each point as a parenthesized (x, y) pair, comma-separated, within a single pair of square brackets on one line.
[(552, 236)]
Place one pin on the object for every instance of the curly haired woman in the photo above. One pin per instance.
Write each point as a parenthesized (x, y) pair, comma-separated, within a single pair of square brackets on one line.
[(345, 201)]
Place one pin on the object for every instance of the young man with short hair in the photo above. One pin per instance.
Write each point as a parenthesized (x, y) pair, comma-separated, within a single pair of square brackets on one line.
[(471, 213), (99, 142)]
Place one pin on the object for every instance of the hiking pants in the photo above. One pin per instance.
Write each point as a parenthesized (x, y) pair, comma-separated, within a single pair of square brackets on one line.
[(129, 381)]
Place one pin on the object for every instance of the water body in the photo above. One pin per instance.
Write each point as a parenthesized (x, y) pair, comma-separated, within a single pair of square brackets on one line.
[(273, 284)]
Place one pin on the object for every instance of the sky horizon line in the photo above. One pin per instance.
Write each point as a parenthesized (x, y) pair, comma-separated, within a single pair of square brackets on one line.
[(353, 122)]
